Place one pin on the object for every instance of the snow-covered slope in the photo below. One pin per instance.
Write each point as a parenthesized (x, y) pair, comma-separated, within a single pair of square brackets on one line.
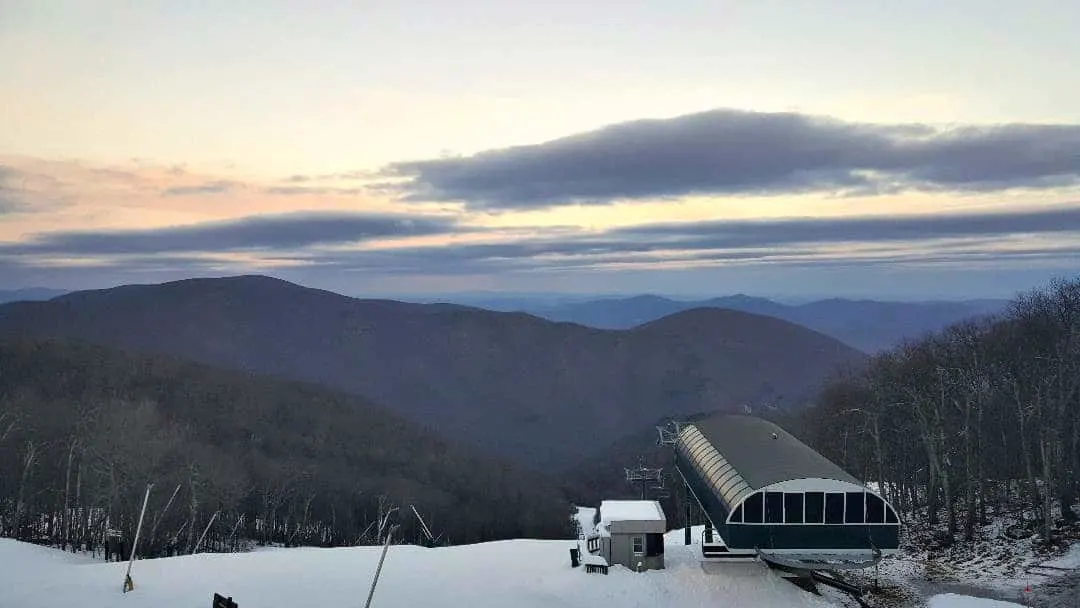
[(519, 573), (952, 600)]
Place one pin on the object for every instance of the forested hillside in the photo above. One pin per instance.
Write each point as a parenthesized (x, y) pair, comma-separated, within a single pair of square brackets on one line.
[(83, 429), (979, 420), (537, 392)]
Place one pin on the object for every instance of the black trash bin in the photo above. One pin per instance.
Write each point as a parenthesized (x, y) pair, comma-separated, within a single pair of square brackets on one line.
[(574, 554)]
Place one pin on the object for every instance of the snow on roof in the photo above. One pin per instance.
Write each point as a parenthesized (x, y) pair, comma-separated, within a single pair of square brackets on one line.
[(630, 510), (594, 560)]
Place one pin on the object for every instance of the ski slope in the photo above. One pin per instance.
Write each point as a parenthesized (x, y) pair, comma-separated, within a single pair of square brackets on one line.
[(518, 573)]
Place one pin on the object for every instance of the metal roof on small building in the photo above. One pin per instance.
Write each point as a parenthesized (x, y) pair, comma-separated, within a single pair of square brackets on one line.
[(762, 453)]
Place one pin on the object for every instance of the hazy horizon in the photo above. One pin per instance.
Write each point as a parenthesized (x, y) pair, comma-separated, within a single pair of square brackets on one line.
[(491, 296), (862, 150)]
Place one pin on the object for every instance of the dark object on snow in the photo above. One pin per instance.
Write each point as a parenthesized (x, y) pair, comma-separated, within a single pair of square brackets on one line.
[(601, 568), (574, 554), (223, 602)]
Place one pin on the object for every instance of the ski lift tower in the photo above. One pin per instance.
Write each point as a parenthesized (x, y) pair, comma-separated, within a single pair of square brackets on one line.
[(644, 474), (668, 435)]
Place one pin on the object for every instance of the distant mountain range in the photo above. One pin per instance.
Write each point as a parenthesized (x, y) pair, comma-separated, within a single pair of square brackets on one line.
[(541, 392), (30, 294), (868, 325)]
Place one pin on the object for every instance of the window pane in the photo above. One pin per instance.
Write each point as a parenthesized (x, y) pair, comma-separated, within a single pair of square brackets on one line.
[(834, 508), (639, 544), (774, 507), (854, 513), (752, 508), (875, 509), (736, 516), (793, 507), (815, 507), (890, 516)]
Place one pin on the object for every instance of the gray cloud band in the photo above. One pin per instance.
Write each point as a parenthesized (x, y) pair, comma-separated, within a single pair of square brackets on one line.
[(299, 237), (272, 232), (727, 152)]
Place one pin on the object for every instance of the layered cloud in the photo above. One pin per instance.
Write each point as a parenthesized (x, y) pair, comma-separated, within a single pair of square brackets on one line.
[(738, 153), (90, 225), (7, 193), (214, 187), (27, 192), (379, 243), (928, 239), (282, 232)]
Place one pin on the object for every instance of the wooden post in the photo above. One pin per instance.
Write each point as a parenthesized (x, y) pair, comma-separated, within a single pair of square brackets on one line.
[(128, 584)]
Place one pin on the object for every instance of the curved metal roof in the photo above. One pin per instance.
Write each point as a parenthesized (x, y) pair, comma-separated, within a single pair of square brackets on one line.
[(759, 452), (711, 467)]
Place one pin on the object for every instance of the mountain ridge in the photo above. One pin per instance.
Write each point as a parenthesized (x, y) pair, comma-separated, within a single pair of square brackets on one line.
[(865, 324), (520, 386)]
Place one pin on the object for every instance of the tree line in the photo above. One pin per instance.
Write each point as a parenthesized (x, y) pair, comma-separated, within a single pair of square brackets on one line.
[(979, 420), (233, 459)]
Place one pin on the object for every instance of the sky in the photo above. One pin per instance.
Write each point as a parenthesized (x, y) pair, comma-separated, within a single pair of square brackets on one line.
[(849, 148)]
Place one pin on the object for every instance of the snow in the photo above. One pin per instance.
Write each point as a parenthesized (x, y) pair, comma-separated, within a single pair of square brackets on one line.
[(992, 562), (594, 560), (630, 510), (1071, 559), (584, 518), (519, 573), (952, 600)]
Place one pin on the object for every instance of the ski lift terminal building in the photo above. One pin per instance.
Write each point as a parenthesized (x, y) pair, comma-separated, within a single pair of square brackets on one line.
[(765, 492)]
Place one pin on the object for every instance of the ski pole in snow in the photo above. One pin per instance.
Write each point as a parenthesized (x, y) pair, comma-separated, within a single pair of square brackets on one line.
[(375, 580), (128, 584)]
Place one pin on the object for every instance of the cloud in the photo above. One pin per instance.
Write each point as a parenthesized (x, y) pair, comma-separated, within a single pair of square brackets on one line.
[(268, 232), (312, 190), (730, 152), (930, 238), (360, 174), (10, 201), (214, 187), (300, 241), (781, 232)]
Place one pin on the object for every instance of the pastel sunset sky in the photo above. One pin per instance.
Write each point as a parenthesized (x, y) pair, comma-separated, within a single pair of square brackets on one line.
[(853, 148)]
